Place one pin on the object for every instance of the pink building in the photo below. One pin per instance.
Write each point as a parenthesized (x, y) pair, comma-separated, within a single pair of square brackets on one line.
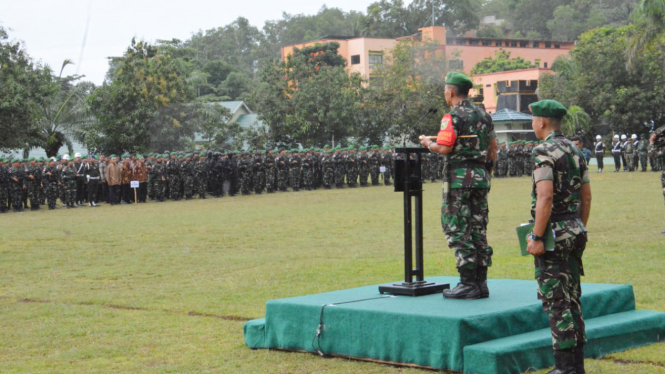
[(362, 53), (490, 85)]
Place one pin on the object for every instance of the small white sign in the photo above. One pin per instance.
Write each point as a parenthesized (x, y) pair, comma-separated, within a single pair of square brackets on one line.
[(382, 169), (134, 184)]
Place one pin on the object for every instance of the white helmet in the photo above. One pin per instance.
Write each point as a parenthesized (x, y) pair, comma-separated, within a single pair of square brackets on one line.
[(616, 136), (598, 137), (77, 155), (624, 137), (65, 157), (634, 136)]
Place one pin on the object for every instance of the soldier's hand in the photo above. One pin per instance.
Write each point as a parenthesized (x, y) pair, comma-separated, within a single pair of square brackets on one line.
[(536, 247)]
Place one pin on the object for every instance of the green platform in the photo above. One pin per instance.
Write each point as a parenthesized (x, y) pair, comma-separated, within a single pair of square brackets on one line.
[(506, 333)]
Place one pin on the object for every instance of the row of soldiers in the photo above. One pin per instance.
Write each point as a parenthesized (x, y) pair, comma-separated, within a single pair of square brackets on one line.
[(630, 154), (514, 159), (177, 175)]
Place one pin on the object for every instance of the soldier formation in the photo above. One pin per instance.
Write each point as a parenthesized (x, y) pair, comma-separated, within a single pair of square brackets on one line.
[(89, 180), (514, 159), (631, 154)]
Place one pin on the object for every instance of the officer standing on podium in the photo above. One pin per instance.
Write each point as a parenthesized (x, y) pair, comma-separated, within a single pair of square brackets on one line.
[(467, 139)]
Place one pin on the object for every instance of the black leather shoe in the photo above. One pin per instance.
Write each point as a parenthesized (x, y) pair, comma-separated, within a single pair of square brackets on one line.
[(466, 289), (481, 273), (565, 362)]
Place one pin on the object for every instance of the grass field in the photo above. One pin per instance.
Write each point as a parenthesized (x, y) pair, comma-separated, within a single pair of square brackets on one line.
[(166, 288)]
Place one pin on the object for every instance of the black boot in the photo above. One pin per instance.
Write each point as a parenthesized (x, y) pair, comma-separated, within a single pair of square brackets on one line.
[(481, 274), (579, 359), (565, 362), (467, 288)]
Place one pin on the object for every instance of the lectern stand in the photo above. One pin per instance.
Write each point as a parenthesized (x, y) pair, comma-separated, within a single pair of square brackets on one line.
[(408, 179)]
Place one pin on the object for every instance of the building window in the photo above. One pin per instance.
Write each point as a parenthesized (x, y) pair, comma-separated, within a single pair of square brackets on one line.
[(537, 62), (545, 65), (488, 85), (355, 59), (557, 46), (497, 44), (536, 44), (513, 44), (487, 43), (375, 58), (524, 44), (473, 42), (460, 42), (548, 45), (506, 44), (456, 65)]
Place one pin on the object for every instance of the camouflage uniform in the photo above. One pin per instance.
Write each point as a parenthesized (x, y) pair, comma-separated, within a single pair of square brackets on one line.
[(464, 211), (308, 172), (33, 183), (4, 188), (68, 176), (385, 160), (340, 169), (629, 151), (50, 178), (281, 162), (159, 181), (295, 172), (201, 178), (351, 170), (173, 172), (328, 170), (187, 176), (259, 174), (245, 176), (271, 172), (642, 150), (17, 183), (363, 167), (558, 272)]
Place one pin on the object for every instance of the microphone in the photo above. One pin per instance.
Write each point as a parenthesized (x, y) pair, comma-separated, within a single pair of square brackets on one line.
[(430, 111)]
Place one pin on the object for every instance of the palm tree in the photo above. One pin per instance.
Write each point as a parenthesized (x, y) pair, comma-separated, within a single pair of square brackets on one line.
[(577, 121), (62, 115), (649, 15)]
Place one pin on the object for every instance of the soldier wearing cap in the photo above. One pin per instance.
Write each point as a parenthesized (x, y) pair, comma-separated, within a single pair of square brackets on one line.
[(561, 195), (629, 152), (93, 177), (467, 174)]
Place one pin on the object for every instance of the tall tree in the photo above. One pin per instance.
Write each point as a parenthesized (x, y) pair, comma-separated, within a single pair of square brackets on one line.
[(650, 18), (411, 82), (24, 86), (501, 62), (309, 99), (147, 104)]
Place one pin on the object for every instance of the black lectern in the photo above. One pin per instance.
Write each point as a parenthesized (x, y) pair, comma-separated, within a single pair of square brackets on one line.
[(408, 179)]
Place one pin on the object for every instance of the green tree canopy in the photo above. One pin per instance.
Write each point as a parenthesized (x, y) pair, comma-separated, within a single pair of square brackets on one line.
[(501, 62)]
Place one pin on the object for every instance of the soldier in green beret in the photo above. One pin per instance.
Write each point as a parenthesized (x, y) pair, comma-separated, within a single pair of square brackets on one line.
[(561, 196), (467, 175), (4, 186)]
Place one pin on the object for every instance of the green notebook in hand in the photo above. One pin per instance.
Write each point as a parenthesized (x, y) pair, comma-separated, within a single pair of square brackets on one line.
[(525, 230)]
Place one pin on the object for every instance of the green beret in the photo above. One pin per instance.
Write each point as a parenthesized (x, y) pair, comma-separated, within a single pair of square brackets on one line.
[(375, 146), (326, 146), (458, 79), (150, 154), (188, 156), (113, 156), (548, 108), (363, 148), (138, 156), (31, 159)]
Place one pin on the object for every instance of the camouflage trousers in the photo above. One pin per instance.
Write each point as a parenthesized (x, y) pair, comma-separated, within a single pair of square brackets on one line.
[(386, 175), (70, 191), (188, 186), (339, 177), (259, 181), (245, 183), (159, 189), (558, 275), (33, 193), (4, 197), (151, 186), (643, 162), (328, 177), (630, 160), (52, 194), (174, 187), (464, 218), (282, 179), (294, 178), (352, 177), (15, 195), (271, 178), (201, 186), (308, 178), (363, 174)]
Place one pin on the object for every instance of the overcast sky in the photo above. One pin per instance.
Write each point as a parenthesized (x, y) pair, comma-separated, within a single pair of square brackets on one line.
[(53, 30)]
